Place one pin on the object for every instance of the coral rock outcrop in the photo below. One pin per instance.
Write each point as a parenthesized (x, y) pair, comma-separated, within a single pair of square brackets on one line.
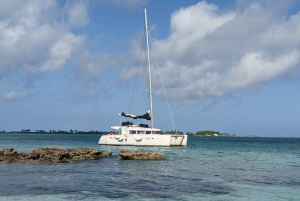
[(139, 155), (53, 154)]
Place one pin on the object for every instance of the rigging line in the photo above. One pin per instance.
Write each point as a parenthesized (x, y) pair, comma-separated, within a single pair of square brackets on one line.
[(136, 74), (162, 82)]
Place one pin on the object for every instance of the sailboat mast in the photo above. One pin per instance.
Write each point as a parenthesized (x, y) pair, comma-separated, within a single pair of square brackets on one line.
[(149, 66)]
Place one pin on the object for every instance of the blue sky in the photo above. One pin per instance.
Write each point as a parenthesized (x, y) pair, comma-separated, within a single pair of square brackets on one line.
[(228, 66)]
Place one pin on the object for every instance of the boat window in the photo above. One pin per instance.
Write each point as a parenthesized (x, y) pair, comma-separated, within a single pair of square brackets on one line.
[(155, 132), (148, 132), (132, 132), (141, 132)]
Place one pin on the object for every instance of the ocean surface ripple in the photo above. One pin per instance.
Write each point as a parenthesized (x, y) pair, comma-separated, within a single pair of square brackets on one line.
[(207, 169)]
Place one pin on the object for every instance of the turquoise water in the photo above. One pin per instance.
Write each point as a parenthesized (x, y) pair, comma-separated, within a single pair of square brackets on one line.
[(207, 169)]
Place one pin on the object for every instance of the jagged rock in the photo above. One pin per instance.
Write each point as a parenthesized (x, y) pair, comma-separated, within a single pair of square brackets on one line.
[(109, 152), (9, 151), (53, 154), (139, 155)]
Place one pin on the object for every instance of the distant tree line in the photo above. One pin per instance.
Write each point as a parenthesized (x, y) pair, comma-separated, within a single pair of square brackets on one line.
[(174, 132), (71, 131), (207, 132), (202, 133), (58, 131)]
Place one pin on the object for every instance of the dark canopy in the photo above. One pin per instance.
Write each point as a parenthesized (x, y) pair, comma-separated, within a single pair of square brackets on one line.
[(144, 116)]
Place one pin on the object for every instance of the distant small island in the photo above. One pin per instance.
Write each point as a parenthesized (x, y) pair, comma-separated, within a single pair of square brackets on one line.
[(206, 133), (57, 132)]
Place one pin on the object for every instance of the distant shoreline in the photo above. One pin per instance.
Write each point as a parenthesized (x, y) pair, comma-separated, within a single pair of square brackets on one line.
[(59, 133), (237, 136), (106, 132), (204, 133)]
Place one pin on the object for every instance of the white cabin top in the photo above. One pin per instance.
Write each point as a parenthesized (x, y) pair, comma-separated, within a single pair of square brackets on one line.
[(134, 129)]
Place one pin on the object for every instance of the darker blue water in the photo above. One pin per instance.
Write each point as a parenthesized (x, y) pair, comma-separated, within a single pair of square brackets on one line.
[(207, 169)]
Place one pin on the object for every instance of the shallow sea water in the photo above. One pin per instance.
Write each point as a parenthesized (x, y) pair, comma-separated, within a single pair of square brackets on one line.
[(207, 169)]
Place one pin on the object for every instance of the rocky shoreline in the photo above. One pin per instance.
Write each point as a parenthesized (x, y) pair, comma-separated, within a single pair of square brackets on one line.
[(53, 154), (61, 155), (139, 155)]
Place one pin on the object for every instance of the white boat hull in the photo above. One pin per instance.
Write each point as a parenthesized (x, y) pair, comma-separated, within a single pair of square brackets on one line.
[(178, 140), (143, 140)]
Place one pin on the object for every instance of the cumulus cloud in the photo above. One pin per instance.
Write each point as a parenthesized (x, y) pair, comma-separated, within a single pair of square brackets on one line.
[(209, 52), (15, 96), (212, 53), (91, 64), (77, 14), (61, 51), (37, 35)]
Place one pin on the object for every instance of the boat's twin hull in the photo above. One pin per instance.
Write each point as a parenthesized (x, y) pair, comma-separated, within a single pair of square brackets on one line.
[(143, 140), (178, 140)]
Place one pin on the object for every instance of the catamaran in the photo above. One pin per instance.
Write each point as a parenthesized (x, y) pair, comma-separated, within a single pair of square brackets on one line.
[(129, 134)]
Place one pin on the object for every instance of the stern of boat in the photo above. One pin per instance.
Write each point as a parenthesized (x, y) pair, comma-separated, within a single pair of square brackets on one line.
[(179, 140)]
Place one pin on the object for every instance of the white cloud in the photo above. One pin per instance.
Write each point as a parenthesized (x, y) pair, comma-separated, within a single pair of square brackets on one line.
[(91, 64), (255, 68), (61, 51), (78, 14), (26, 35), (212, 53), (37, 35), (7, 7), (209, 52), (15, 96)]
